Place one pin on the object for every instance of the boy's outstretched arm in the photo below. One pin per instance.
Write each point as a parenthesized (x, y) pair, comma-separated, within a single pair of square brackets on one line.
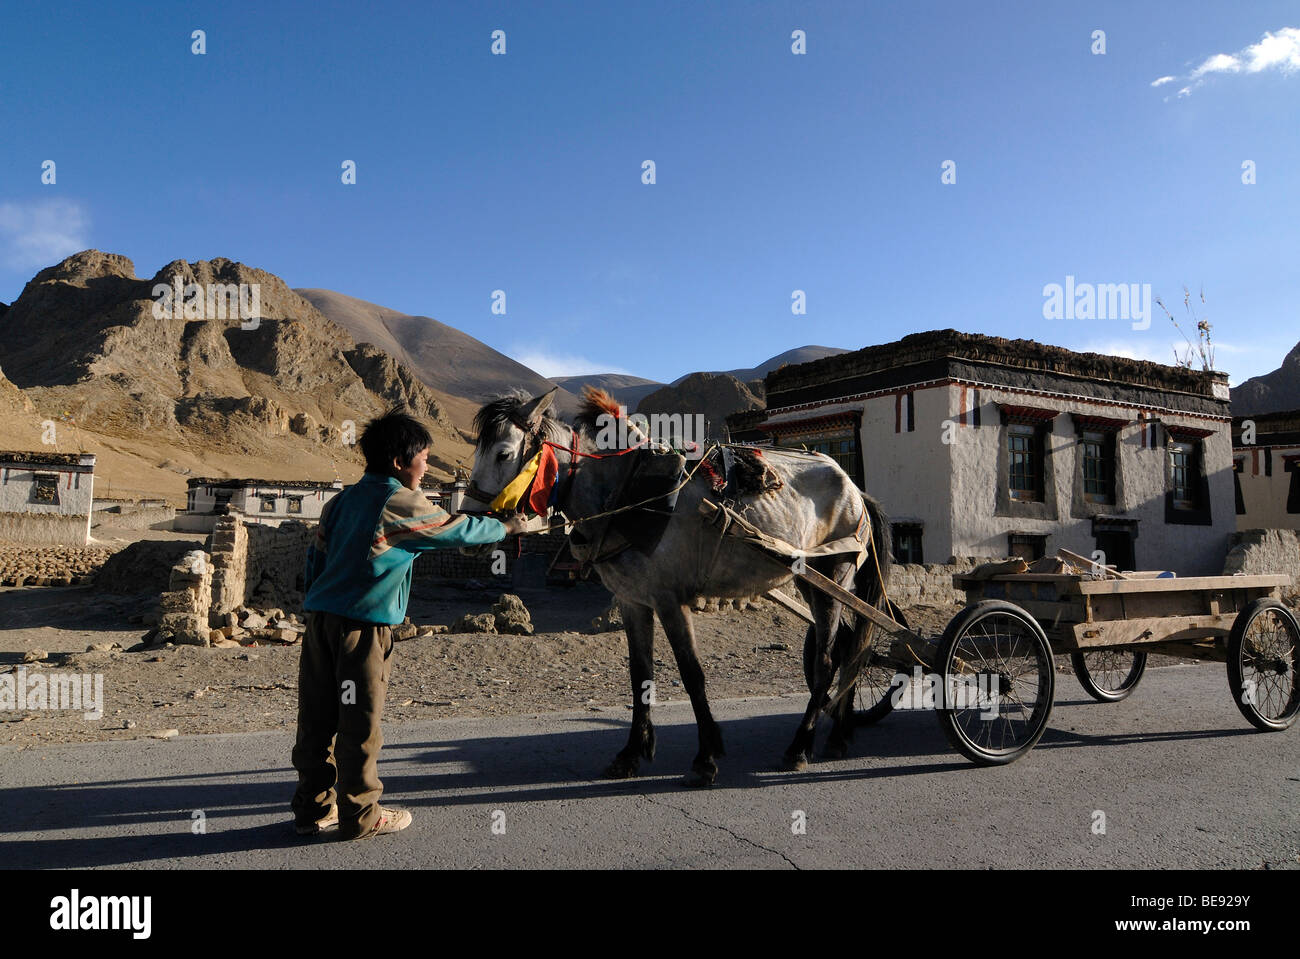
[(411, 522)]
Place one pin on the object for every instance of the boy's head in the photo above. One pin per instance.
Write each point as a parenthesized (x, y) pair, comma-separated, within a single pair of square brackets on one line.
[(397, 445)]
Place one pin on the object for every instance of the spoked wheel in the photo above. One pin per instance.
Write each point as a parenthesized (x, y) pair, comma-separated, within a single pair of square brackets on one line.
[(875, 684), (1109, 675), (999, 679), (1262, 665)]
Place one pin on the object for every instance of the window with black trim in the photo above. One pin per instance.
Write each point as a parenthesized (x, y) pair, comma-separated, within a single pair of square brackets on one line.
[(1026, 546), (907, 543), (46, 490), (1098, 462), (1025, 462), (294, 504), (1184, 473), (268, 504)]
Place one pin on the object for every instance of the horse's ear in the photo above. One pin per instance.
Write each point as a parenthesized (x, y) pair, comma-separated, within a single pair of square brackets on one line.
[(533, 410)]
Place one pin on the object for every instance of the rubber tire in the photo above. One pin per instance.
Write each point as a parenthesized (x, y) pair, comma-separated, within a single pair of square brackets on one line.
[(952, 634), (1108, 695), (1236, 639)]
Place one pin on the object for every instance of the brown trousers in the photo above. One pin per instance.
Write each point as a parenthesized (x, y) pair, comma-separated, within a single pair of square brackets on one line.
[(342, 680)]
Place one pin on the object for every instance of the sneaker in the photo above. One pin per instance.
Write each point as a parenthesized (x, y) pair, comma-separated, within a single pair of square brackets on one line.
[(331, 818), (390, 820)]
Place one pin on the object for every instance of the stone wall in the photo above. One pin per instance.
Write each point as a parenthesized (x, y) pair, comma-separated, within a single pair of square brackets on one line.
[(228, 545), (183, 609), (930, 584), (1266, 551), (275, 559), (43, 529), (51, 565)]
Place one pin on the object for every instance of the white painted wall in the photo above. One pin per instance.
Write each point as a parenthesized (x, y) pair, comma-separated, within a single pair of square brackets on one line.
[(76, 495), (1264, 496)]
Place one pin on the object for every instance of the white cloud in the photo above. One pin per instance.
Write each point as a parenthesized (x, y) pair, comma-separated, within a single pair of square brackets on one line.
[(558, 364), (1275, 51), (41, 233)]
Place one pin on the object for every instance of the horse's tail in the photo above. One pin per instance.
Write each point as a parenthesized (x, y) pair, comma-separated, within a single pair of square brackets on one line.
[(871, 585)]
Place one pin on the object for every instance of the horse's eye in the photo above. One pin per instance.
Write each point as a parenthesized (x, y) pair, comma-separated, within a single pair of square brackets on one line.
[(503, 456)]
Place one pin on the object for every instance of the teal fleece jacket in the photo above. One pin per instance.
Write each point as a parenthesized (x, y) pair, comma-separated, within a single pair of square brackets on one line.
[(359, 564)]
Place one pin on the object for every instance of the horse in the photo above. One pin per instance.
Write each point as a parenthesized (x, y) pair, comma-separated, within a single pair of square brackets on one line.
[(812, 502)]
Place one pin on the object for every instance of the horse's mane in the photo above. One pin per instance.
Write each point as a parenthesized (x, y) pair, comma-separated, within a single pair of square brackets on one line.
[(595, 404), (498, 413)]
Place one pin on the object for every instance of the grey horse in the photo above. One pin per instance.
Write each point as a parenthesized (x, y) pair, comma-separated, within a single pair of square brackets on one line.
[(816, 503)]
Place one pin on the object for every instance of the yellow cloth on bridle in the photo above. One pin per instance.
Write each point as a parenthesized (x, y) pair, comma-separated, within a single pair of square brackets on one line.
[(509, 497)]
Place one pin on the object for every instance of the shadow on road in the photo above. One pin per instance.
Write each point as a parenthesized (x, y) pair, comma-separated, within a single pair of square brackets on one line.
[(151, 818)]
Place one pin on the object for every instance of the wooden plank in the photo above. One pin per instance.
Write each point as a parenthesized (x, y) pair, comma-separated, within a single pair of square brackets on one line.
[(836, 591), (1188, 584), (790, 603), (1140, 583), (1150, 630)]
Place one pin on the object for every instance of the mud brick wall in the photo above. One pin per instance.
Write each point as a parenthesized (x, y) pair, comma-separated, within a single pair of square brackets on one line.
[(50, 565), (43, 529), (183, 609), (228, 545), (275, 559), (134, 517), (1266, 551)]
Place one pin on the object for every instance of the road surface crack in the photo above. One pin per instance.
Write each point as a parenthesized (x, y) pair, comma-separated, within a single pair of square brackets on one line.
[(730, 832)]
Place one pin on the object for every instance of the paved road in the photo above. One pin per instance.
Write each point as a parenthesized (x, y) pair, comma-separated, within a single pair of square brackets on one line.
[(1181, 778)]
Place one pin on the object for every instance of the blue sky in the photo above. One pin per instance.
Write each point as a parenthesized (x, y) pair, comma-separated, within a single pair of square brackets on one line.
[(775, 172)]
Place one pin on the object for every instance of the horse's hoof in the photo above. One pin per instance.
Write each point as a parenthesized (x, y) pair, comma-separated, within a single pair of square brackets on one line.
[(794, 763), (622, 768), (698, 778)]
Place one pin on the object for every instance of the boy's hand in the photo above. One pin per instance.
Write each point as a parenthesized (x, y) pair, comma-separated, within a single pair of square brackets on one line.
[(515, 524)]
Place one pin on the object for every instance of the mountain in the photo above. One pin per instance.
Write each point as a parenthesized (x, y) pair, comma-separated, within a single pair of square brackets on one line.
[(1272, 392), (628, 390), (160, 395), (800, 354), (714, 395), (451, 362)]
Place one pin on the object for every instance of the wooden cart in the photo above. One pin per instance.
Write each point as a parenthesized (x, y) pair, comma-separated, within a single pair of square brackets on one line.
[(991, 676)]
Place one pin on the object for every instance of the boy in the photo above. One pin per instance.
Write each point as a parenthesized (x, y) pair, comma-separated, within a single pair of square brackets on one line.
[(358, 580)]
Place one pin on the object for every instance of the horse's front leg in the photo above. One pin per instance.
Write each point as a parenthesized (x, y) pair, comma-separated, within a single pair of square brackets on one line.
[(676, 620), (639, 623)]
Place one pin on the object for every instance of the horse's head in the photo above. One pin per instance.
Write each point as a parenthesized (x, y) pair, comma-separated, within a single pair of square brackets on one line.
[(509, 431)]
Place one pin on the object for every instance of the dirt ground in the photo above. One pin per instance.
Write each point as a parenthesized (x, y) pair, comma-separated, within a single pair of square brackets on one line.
[(563, 666)]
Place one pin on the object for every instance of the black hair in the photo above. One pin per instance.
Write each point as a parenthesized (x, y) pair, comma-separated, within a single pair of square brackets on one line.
[(395, 435)]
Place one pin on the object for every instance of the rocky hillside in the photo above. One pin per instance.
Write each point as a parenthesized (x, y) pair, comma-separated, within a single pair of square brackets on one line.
[(1273, 392), (451, 362), (713, 394), (628, 390), (163, 396)]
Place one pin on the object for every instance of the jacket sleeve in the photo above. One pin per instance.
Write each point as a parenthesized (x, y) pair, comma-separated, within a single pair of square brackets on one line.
[(410, 522), (318, 547)]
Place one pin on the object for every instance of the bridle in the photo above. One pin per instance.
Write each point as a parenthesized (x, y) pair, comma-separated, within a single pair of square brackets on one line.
[(534, 438)]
